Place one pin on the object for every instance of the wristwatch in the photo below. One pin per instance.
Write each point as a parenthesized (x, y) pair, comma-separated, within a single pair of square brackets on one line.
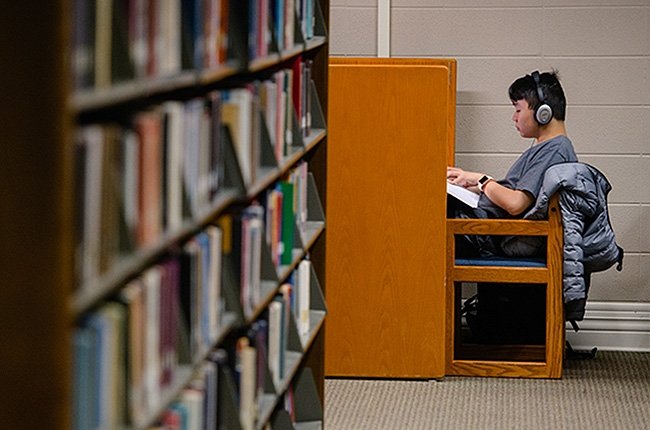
[(484, 180)]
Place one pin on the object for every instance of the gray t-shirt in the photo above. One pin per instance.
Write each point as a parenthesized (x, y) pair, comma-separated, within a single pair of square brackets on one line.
[(527, 173)]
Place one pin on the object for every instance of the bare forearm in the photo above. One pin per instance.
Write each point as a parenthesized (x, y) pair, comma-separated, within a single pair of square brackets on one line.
[(512, 201)]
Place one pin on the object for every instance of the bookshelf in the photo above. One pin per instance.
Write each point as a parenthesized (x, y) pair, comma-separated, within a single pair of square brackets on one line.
[(391, 136), (133, 301)]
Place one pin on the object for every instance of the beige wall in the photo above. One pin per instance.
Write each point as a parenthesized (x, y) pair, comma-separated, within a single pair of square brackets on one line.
[(601, 49)]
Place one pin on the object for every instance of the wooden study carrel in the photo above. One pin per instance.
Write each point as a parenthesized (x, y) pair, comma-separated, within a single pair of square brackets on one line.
[(390, 138)]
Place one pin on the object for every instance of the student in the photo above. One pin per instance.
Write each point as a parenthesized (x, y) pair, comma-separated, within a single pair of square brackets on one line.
[(540, 108)]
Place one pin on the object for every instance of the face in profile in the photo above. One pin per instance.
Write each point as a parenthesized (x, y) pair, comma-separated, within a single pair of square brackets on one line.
[(524, 119)]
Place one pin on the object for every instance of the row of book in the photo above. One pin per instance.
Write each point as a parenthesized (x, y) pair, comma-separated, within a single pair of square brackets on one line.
[(247, 258), (273, 343), (286, 214), (272, 25), (145, 175), (200, 405), (121, 40), (128, 349), (133, 347), (141, 177), (125, 40), (257, 365), (284, 101), (262, 359), (196, 406), (264, 238), (137, 346)]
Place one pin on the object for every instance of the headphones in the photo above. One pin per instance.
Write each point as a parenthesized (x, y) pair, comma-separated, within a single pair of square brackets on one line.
[(543, 113)]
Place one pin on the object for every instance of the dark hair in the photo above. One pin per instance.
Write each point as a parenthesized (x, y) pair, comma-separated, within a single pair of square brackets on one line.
[(525, 88)]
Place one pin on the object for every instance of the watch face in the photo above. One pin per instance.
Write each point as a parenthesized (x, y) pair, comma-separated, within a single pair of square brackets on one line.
[(483, 180)]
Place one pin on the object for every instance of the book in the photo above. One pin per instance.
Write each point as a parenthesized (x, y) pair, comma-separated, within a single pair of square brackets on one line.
[(128, 189), (149, 127), (139, 36), (169, 318), (172, 116), (258, 334), (206, 299), (109, 225), (224, 29), (288, 222), (90, 140), (289, 23), (303, 300), (122, 66), (216, 162), (153, 38), (168, 42), (152, 363), (82, 381), (103, 40), (192, 13), (299, 177), (83, 41), (203, 197), (279, 16), (252, 225), (215, 303), (466, 196), (237, 115), (107, 366), (209, 375), (194, 110), (274, 351), (191, 293), (247, 364), (193, 400), (132, 296)]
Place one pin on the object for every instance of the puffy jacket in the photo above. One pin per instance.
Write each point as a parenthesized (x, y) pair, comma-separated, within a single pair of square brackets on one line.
[(589, 239)]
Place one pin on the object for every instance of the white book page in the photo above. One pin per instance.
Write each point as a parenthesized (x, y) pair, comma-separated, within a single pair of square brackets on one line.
[(466, 196)]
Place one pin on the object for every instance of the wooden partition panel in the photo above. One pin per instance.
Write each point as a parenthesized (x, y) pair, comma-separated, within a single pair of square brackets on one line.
[(390, 132)]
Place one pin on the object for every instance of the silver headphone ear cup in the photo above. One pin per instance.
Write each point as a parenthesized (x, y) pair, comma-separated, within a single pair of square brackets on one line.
[(544, 114)]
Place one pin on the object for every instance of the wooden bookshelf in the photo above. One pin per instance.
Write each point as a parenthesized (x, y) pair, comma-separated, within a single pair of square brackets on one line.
[(391, 126), (36, 210), (47, 302)]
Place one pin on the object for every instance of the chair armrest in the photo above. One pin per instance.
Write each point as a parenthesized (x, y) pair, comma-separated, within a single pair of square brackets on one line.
[(516, 227), (508, 227)]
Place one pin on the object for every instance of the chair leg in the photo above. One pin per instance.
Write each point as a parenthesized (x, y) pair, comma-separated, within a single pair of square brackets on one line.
[(572, 354)]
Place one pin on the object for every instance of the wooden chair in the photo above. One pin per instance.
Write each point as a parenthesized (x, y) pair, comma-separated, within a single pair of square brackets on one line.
[(528, 361)]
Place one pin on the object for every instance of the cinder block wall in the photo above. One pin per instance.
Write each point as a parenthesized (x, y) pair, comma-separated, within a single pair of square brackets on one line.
[(601, 49)]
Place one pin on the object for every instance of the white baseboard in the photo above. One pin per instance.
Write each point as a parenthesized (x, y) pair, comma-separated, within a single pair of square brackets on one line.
[(613, 326)]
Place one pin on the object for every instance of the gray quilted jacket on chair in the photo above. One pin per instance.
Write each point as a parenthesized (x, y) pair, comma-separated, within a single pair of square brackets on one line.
[(589, 240)]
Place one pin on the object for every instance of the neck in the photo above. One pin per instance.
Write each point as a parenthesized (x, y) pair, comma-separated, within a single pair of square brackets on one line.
[(553, 129)]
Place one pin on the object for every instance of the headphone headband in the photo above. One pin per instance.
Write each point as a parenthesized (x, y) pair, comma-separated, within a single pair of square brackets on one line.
[(543, 113), (540, 93)]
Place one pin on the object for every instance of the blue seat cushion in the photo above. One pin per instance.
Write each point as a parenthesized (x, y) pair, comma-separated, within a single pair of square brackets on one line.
[(502, 262)]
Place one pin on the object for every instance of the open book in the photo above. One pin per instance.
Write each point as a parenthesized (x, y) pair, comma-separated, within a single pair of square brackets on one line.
[(466, 196)]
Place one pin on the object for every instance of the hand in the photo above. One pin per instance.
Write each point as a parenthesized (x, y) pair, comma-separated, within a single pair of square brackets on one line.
[(458, 176)]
